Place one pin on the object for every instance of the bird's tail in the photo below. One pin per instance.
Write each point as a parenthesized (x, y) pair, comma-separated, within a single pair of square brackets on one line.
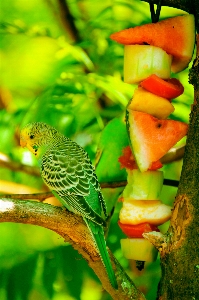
[(99, 239)]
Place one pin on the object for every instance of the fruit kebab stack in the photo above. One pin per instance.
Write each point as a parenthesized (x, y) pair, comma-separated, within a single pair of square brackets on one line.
[(151, 53)]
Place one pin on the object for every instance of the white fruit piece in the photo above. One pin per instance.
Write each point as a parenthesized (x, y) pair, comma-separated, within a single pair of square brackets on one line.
[(141, 61), (152, 104), (137, 211), (138, 249), (143, 185)]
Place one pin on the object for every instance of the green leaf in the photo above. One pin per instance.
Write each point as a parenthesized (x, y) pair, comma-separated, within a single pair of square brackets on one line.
[(73, 266), (113, 139), (20, 279), (50, 270)]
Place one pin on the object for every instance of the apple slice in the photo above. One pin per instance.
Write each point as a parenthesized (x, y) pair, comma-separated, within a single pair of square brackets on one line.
[(138, 249), (141, 61), (138, 211), (152, 104), (143, 185)]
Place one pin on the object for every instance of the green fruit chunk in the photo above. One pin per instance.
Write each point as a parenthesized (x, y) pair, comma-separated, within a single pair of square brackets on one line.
[(143, 185), (141, 61), (138, 249)]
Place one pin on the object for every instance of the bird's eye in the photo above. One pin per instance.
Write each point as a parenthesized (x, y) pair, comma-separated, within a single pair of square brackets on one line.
[(31, 136)]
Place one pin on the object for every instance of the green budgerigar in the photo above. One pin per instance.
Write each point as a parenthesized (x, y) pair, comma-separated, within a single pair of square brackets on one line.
[(68, 172)]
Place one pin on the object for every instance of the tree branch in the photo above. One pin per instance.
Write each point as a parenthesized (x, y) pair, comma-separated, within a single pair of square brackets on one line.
[(6, 162), (68, 20), (185, 5), (43, 196), (73, 229), (174, 154), (190, 6), (37, 196)]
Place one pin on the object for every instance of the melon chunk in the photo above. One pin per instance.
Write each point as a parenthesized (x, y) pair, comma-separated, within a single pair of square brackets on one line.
[(152, 104), (138, 249), (175, 35), (143, 185), (138, 211), (151, 138), (141, 61)]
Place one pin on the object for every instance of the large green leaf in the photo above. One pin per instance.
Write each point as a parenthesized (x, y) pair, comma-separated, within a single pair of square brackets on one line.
[(113, 139), (20, 279)]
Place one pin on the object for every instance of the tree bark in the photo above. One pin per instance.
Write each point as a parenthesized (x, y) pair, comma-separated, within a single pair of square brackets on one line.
[(190, 6)]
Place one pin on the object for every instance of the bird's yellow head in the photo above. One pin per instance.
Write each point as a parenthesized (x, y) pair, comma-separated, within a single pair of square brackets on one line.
[(36, 136)]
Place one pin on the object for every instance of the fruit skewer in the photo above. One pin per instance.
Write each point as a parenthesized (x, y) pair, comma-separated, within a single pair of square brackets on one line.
[(151, 52)]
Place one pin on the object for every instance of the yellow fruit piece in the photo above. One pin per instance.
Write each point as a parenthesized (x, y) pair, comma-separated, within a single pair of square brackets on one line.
[(141, 61), (141, 211), (138, 249), (152, 104)]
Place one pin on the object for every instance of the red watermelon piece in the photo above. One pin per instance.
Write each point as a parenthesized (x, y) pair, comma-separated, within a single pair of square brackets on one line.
[(151, 138), (175, 35), (127, 161)]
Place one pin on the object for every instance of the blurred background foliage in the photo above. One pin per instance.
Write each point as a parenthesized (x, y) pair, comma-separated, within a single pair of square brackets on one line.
[(59, 66)]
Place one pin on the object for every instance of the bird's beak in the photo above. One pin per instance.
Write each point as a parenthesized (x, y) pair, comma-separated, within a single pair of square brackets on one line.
[(23, 143)]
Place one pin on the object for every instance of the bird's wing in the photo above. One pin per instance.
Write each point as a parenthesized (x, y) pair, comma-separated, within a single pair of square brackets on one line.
[(79, 205), (64, 172), (69, 172)]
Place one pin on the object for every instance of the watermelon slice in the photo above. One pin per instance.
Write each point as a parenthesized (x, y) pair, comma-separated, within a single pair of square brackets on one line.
[(151, 138), (169, 89), (127, 161), (175, 35)]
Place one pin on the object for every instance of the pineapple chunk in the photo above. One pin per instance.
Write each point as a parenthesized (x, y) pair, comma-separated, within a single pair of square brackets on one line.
[(138, 249), (152, 104)]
